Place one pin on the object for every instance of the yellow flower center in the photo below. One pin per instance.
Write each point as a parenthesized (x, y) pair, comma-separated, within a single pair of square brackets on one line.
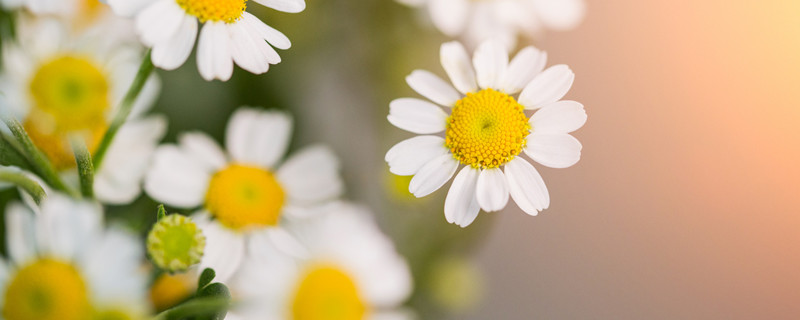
[(46, 289), (170, 289), (241, 196), (486, 129), (227, 11), (69, 95), (327, 293)]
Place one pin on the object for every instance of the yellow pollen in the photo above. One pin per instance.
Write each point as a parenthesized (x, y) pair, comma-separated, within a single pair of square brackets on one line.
[(69, 95), (486, 129), (241, 196), (46, 289), (327, 293), (227, 11)]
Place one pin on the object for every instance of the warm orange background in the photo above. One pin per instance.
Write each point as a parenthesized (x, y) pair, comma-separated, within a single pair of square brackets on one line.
[(686, 203)]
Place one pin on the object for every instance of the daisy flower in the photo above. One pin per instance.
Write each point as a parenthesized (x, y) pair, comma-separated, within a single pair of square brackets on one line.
[(60, 85), (229, 33), (486, 129), (352, 271), (63, 264), (62, 8), (244, 194), (476, 21)]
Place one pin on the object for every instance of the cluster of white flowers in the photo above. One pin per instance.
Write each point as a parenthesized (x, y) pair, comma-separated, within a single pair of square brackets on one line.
[(77, 85)]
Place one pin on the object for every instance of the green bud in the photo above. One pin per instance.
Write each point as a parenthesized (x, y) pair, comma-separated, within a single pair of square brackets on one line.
[(175, 243)]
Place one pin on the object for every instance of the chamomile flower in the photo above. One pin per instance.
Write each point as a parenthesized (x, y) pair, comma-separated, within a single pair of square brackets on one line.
[(62, 8), (229, 33), (59, 85), (246, 194), (352, 271), (476, 21), (486, 129), (63, 264)]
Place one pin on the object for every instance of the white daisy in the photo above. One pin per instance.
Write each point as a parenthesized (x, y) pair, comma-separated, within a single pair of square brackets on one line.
[(63, 8), (486, 130), (59, 85), (245, 194), (477, 21), (229, 33), (63, 264), (352, 271)]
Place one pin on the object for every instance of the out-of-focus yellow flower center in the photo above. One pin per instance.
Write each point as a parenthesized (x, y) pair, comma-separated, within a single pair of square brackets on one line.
[(327, 293), (486, 129), (242, 196), (227, 11), (170, 289), (46, 289), (113, 314), (69, 95)]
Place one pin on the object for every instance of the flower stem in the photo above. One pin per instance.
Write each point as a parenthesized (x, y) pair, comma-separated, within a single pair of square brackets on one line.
[(18, 178), (193, 308), (85, 167), (124, 109), (43, 166)]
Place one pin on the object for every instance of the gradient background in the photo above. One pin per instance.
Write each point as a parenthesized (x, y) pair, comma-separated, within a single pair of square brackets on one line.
[(685, 204)]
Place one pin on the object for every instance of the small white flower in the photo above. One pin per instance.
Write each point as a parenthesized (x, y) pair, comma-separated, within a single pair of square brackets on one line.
[(246, 193), (487, 129), (477, 21), (352, 271), (229, 33), (59, 85), (63, 264)]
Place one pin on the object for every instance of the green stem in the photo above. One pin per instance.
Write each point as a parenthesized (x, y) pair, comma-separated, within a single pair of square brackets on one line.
[(83, 159), (19, 179), (43, 166), (193, 308), (124, 109)]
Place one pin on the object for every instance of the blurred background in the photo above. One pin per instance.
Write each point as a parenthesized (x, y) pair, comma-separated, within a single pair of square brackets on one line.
[(685, 205)]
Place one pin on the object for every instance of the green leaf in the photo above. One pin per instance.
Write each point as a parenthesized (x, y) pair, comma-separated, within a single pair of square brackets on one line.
[(205, 278), (161, 213), (219, 291)]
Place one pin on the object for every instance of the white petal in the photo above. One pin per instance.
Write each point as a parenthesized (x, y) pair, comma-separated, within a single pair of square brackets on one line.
[(558, 117), (20, 237), (291, 6), (311, 176), (213, 52), (276, 38), (159, 22), (456, 63), (555, 150), (491, 61), (113, 266), (492, 192), (66, 227), (548, 87), (258, 137), (173, 52), (432, 87), (526, 186), (528, 63), (408, 156), (128, 8), (177, 179), (224, 250), (449, 16), (201, 147), (433, 175), (461, 206), (417, 116), (249, 50)]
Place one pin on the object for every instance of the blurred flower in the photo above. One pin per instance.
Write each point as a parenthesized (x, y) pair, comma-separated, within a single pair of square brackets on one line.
[(170, 289), (63, 8), (456, 284), (175, 243), (60, 85), (477, 21), (229, 33), (487, 129), (246, 192), (352, 271), (64, 265)]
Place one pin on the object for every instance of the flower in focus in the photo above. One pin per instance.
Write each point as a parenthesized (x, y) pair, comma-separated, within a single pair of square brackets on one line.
[(246, 194), (229, 33), (352, 271), (60, 86), (477, 21), (486, 129), (64, 265), (175, 243)]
